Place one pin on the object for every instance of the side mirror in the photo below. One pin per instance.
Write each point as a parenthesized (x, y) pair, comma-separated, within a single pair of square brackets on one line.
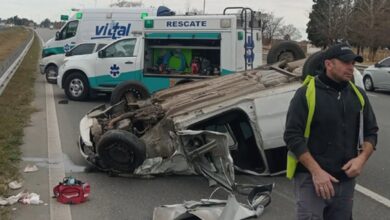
[(57, 35), (68, 54), (102, 53), (378, 65)]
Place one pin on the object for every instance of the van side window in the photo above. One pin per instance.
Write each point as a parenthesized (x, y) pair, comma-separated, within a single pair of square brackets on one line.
[(123, 48), (83, 49), (69, 30)]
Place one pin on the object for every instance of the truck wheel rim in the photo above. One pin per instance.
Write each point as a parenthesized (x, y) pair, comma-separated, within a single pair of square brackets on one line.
[(76, 87), (286, 55)]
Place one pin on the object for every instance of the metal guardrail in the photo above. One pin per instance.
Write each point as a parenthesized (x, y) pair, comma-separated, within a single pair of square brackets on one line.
[(11, 64)]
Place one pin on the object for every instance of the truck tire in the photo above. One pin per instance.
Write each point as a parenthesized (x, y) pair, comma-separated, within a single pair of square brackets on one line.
[(51, 73), (76, 86), (313, 65), (129, 90), (121, 151), (183, 81), (285, 50)]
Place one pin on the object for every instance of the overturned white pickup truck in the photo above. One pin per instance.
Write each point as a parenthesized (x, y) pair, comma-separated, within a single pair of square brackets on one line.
[(209, 127)]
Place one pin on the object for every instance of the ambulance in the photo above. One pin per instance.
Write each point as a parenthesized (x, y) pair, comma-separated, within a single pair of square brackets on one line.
[(168, 51), (92, 24)]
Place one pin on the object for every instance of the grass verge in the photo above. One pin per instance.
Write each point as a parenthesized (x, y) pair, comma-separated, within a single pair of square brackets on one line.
[(15, 111), (11, 39)]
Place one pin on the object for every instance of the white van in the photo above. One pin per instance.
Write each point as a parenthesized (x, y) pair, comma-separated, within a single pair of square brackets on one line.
[(92, 24), (170, 50)]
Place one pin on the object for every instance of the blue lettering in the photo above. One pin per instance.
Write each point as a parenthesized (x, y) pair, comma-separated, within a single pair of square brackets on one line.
[(169, 24), (114, 28), (105, 29), (204, 23), (115, 32), (99, 30), (128, 29)]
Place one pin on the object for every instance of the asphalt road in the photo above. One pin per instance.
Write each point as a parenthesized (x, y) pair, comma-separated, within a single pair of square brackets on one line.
[(135, 198)]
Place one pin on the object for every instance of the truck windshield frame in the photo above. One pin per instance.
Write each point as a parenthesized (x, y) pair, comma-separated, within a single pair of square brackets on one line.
[(69, 30)]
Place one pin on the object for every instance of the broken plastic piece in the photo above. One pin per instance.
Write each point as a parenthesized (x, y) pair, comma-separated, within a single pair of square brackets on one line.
[(15, 185), (31, 199), (30, 168), (11, 200)]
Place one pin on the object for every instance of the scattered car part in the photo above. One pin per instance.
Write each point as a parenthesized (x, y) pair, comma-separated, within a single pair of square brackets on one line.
[(210, 209)]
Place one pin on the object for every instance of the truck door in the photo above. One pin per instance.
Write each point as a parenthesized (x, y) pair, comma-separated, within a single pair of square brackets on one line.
[(66, 37), (117, 62)]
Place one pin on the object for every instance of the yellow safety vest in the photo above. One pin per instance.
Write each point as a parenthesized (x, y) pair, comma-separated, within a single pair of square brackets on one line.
[(309, 81)]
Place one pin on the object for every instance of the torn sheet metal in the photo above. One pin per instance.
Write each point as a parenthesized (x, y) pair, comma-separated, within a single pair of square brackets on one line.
[(209, 152), (259, 197), (207, 209), (177, 164)]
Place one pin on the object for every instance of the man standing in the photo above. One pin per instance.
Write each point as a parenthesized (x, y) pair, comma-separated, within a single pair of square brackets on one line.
[(329, 158)]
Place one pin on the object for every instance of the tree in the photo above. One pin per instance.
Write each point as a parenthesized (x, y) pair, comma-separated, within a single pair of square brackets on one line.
[(122, 3), (374, 16), (269, 26), (329, 20), (45, 23), (288, 32)]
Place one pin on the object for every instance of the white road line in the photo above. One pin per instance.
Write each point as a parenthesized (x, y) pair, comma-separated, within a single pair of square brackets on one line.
[(55, 156), (373, 195)]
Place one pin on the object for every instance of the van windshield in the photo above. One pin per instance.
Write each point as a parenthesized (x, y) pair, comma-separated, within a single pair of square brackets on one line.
[(69, 30)]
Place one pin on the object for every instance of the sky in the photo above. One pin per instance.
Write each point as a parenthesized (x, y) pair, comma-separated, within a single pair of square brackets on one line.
[(294, 12)]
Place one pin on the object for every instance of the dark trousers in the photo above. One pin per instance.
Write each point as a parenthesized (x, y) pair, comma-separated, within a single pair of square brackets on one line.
[(310, 206)]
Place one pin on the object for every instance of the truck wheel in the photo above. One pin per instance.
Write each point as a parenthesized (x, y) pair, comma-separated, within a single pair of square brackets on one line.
[(313, 65), (51, 74), (121, 151), (130, 91), (285, 50), (76, 86), (183, 81)]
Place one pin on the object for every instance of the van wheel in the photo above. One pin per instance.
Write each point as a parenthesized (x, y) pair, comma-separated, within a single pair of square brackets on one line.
[(76, 86), (368, 83), (121, 151), (285, 50), (130, 91), (51, 74), (313, 65)]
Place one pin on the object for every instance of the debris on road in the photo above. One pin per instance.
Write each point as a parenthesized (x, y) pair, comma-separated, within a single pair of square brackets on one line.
[(71, 191), (11, 200), (15, 185), (23, 197), (30, 168), (210, 209), (30, 199)]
